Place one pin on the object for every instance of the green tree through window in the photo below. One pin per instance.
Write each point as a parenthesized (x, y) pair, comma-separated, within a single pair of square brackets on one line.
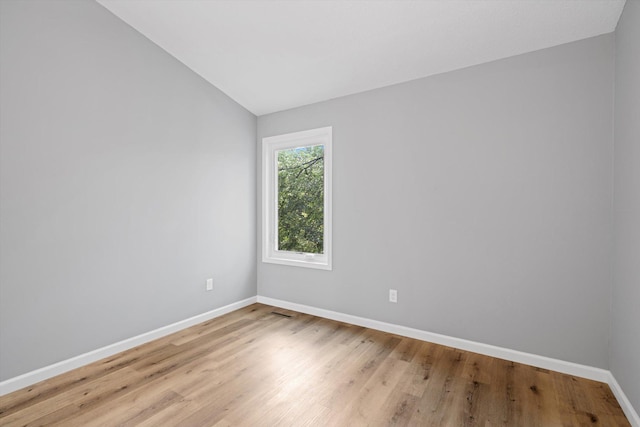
[(301, 199)]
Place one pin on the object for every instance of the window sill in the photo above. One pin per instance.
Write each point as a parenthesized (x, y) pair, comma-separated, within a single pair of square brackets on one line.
[(315, 264)]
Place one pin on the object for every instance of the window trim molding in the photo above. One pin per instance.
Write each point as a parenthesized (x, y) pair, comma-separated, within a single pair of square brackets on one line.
[(321, 136)]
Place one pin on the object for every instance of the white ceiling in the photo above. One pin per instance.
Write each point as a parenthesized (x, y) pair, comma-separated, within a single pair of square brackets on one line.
[(271, 55)]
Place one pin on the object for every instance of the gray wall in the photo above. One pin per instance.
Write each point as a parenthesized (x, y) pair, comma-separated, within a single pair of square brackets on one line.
[(482, 195), (625, 316), (126, 181)]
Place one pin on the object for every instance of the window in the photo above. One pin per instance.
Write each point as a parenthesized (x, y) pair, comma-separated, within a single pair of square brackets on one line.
[(296, 199)]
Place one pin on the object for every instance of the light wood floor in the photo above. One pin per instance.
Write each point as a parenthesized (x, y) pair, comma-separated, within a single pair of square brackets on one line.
[(255, 368)]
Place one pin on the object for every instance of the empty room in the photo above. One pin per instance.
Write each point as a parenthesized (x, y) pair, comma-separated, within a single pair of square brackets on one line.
[(319, 213)]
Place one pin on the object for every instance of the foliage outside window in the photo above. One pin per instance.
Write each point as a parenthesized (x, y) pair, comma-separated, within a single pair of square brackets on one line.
[(301, 199), (296, 199)]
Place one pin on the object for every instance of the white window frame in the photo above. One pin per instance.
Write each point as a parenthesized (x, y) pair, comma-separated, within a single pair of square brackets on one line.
[(270, 145)]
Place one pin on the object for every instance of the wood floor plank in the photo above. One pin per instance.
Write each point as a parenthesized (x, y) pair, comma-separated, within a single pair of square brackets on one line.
[(127, 410), (301, 381), (254, 367), (363, 408), (84, 396)]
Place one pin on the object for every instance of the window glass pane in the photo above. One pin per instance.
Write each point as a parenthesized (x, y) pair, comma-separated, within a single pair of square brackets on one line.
[(301, 199)]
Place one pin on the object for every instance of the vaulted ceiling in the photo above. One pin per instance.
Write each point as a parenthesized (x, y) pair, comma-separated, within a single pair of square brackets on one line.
[(272, 55)]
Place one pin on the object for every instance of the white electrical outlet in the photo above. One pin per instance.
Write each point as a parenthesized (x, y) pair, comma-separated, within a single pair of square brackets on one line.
[(209, 284), (393, 295)]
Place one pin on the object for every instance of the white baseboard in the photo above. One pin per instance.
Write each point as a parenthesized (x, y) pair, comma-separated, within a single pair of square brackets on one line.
[(544, 362), (50, 371), (570, 368), (624, 402)]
